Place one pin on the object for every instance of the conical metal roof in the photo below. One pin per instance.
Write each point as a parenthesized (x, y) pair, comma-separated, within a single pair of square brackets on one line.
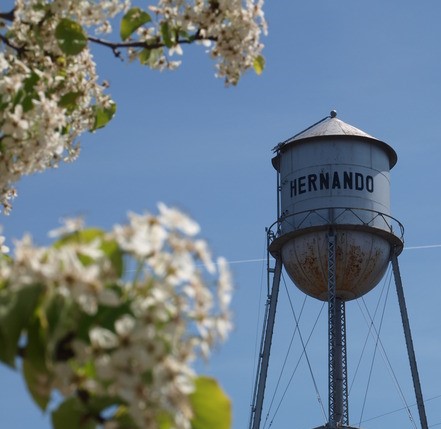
[(331, 126)]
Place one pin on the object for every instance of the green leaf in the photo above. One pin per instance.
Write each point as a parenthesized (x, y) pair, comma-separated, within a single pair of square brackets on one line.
[(109, 247), (31, 81), (60, 318), (166, 35), (105, 317), (28, 102), (3, 106), (149, 57), (73, 414), (103, 115), (29, 92), (84, 236), (131, 21), (144, 56), (259, 64), (16, 310), (97, 404), (69, 100), (165, 421), (123, 418), (39, 384), (211, 407), (36, 374), (19, 96), (184, 35), (115, 254), (70, 36)]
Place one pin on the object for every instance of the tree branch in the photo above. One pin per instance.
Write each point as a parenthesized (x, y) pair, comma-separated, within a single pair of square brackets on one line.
[(115, 46), (8, 16), (7, 42)]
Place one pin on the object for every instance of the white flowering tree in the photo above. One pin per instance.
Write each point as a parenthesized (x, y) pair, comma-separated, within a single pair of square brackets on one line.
[(106, 325), (113, 321), (49, 89)]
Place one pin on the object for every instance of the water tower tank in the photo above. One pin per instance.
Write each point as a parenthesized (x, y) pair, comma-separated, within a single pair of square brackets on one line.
[(335, 177)]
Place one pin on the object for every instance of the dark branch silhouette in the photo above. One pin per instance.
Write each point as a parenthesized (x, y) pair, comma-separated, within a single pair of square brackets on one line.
[(116, 46), (8, 16)]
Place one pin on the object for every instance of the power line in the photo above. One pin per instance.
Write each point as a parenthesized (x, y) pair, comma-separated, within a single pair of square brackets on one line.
[(247, 261), (402, 409)]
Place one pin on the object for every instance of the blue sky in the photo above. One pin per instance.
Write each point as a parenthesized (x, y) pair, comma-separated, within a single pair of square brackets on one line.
[(184, 139)]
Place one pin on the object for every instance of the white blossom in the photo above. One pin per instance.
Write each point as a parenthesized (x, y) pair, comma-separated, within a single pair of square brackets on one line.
[(3, 248), (133, 335), (103, 338), (69, 225), (175, 219)]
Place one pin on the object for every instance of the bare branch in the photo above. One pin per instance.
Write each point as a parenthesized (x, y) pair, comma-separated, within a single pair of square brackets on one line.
[(116, 46), (8, 16), (111, 45)]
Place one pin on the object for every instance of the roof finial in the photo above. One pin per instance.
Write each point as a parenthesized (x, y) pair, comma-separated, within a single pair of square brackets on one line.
[(333, 113)]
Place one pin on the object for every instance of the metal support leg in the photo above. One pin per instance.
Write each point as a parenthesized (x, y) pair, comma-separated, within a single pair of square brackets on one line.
[(341, 344), (338, 391), (409, 342), (256, 411)]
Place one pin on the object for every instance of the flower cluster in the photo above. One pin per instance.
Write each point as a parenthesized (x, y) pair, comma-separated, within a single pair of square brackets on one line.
[(47, 97), (231, 30), (116, 319), (49, 88)]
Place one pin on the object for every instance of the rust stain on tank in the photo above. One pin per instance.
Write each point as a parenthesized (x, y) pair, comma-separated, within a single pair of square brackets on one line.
[(372, 264), (311, 263), (361, 260), (355, 257)]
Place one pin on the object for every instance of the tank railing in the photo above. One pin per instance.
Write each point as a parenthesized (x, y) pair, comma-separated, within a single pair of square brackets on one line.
[(297, 221)]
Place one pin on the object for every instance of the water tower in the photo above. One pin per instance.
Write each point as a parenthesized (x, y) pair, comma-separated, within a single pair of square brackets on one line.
[(335, 237)]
